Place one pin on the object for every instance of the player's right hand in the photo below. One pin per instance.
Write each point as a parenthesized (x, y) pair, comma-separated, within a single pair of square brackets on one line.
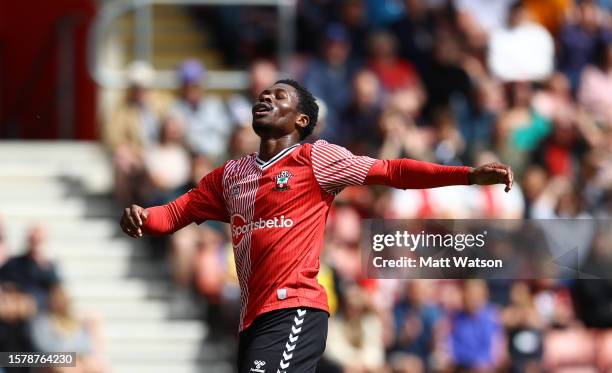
[(132, 220)]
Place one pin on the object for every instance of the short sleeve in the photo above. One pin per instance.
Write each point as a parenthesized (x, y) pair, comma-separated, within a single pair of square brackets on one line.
[(206, 200), (335, 167)]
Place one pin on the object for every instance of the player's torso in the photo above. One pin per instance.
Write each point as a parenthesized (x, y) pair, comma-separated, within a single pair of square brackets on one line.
[(277, 212)]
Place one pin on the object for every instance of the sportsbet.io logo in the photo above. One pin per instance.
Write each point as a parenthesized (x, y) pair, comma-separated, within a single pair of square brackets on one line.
[(240, 226)]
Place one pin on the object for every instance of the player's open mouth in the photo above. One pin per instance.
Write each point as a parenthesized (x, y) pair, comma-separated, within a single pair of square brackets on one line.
[(261, 108)]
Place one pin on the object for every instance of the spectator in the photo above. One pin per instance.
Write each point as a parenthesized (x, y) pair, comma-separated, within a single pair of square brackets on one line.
[(446, 78), (243, 140), (488, 15), (593, 298), (16, 309), (4, 251), (33, 272), (579, 37), (329, 77), (207, 124), (168, 164), (416, 319), (393, 72), (360, 119), (524, 326), (262, 74), (521, 128), (133, 127), (58, 330), (353, 15), (355, 335), (475, 333), (415, 32), (596, 85), (522, 51), (477, 116)]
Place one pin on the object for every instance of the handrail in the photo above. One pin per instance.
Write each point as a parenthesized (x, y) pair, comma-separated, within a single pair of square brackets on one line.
[(216, 79)]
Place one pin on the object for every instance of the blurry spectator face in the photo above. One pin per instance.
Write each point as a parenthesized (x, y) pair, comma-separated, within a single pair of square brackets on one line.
[(336, 52), (191, 73), (140, 76), (192, 93), (244, 141), (605, 58), (366, 88), (418, 292), (136, 94), (347, 225), (475, 295), (519, 94), (520, 294), (383, 46), (568, 204), (407, 101), (534, 182), (518, 15), (490, 96), (36, 240), (559, 85), (172, 131), (447, 51), (263, 75), (200, 166), (352, 12), (588, 13), (414, 8), (337, 47), (356, 302), (3, 248), (59, 304)]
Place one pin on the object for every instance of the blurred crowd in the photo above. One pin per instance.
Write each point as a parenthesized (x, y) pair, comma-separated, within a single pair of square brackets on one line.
[(36, 313), (458, 82)]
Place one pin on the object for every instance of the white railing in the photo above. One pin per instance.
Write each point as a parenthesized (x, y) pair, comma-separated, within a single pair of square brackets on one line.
[(110, 11)]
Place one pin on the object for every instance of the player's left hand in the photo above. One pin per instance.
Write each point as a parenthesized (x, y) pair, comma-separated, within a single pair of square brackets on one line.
[(492, 173)]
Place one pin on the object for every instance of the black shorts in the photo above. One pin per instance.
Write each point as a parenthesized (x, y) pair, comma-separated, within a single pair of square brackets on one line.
[(286, 340)]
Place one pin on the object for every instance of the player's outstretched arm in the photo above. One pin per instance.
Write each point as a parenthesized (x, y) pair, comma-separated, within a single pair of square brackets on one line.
[(412, 174), (492, 173), (157, 220), (132, 220)]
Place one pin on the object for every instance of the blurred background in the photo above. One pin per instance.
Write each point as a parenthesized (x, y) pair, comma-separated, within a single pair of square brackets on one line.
[(108, 103)]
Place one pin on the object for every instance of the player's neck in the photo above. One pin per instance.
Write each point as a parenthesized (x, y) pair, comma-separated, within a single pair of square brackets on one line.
[(270, 147)]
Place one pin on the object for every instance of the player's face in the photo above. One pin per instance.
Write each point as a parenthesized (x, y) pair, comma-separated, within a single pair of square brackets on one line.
[(275, 112)]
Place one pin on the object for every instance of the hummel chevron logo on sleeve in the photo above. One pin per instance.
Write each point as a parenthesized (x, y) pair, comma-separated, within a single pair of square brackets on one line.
[(293, 337)]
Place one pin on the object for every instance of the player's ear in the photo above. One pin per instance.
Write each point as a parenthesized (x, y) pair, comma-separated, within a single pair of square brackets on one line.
[(302, 120)]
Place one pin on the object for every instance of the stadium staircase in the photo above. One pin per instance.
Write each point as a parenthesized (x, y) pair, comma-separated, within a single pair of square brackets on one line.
[(176, 35), (66, 186)]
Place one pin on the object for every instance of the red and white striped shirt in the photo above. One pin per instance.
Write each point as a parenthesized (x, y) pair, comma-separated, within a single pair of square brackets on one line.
[(277, 210)]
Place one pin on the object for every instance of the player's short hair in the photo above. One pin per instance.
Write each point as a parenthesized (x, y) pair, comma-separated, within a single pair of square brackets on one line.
[(307, 104)]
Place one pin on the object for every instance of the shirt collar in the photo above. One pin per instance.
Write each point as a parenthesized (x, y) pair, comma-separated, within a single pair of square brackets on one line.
[(261, 164)]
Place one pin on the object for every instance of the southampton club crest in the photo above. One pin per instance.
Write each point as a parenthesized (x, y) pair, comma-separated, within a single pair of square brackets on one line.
[(282, 180)]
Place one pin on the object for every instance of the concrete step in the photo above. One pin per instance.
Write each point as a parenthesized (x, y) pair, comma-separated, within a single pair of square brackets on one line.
[(66, 253), (93, 270), (168, 352), (160, 367), (26, 189), (41, 160), (125, 289), (133, 309), (62, 209), (168, 332)]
